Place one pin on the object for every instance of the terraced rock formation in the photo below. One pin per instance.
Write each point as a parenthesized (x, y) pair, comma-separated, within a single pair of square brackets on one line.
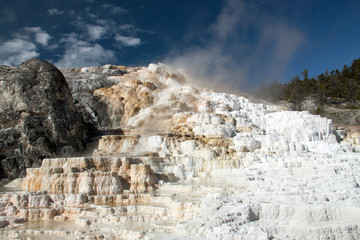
[(174, 161)]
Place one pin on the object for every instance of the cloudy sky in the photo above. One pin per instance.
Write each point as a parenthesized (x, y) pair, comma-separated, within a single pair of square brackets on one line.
[(236, 42)]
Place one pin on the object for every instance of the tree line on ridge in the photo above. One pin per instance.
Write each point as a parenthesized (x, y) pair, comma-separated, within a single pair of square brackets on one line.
[(344, 84)]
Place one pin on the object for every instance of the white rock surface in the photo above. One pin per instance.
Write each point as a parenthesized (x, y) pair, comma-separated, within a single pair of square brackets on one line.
[(243, 171)]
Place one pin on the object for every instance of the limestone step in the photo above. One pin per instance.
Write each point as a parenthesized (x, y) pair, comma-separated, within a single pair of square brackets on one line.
[(99, 163), (107, 164), (44, 230), (125, 211), (128, 216)]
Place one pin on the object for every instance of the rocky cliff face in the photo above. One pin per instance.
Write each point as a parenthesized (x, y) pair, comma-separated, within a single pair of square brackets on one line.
[(37, 117)]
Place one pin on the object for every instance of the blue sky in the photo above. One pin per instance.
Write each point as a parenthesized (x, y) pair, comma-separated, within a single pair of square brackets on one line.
[(236, 43)]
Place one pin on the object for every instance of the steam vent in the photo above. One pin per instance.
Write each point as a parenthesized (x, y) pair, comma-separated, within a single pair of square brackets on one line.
[(116, 152)]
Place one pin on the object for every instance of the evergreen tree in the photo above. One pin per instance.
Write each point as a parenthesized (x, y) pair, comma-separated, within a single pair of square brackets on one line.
[(343, 84)]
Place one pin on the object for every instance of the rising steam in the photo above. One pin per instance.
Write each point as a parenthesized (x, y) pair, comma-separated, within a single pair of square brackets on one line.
[(243, 47)]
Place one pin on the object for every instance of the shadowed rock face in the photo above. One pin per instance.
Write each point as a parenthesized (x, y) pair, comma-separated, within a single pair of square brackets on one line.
[(82, 83), (37, 117)]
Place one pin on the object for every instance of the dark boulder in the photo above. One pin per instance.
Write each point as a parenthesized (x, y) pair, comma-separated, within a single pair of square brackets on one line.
[(38, 118)]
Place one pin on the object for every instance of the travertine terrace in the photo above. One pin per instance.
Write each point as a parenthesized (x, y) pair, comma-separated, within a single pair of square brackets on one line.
[(181, 162)]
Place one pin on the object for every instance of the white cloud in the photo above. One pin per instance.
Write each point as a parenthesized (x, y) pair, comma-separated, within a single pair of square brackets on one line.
[(95, 29), (85, 48), (114, 9), (24, 45), (80, 53), (15, 51), (40, 35), (118, 10), (55, 12), (42, 38), (128, 41), (96, 32), (127, 27), (100, 29)]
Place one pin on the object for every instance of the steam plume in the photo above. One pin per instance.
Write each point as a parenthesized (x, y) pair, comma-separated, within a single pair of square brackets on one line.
[(243, 47)]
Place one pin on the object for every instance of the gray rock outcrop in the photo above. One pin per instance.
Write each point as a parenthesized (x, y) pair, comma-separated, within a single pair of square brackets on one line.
[(83, 82), (38, 118)]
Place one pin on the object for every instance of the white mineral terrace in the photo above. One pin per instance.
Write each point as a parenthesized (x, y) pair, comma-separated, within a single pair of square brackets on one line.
[(194, 164)]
